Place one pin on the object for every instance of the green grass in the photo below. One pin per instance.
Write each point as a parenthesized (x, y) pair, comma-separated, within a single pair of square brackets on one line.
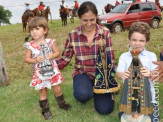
[(19, 102)]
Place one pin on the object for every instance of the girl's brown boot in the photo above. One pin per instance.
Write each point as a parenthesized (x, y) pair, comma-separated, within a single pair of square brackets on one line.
[(45, 109), (62, 104)]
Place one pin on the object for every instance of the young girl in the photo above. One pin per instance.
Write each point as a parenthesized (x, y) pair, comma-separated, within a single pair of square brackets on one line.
[(42, 80)]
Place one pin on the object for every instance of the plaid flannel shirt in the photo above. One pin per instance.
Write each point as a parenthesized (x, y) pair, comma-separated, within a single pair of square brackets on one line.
[(85, 56)]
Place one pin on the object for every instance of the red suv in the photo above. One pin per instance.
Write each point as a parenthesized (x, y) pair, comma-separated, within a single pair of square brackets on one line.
[(123, 15)]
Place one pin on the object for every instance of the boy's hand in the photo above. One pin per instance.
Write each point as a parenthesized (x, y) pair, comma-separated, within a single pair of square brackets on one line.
[(125, 75), (49, 56), (145, 72), (39, 59)]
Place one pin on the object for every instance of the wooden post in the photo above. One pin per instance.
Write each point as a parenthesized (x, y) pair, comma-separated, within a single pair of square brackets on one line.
[(4, 80)]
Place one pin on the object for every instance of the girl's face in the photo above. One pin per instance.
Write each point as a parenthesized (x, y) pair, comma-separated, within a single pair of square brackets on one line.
[(38, 33), (88, 21), (138, 40)]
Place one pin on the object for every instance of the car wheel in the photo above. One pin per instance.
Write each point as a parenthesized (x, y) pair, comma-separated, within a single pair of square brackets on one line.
[(155, 23), (117, 27)]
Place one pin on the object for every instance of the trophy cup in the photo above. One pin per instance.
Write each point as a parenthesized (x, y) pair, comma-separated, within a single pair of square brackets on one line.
[(46, 65)]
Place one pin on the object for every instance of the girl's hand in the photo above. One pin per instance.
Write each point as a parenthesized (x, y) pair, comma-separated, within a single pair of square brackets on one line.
[(145, 72), (49, 56), (39, 59), (125, 75)]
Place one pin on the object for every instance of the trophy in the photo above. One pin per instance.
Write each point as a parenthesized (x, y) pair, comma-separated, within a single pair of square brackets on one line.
[(46, 65), (104, 73), (136, 95)]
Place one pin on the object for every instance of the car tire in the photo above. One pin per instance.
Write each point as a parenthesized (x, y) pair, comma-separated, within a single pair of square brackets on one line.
[(117, 27), (155, 23)]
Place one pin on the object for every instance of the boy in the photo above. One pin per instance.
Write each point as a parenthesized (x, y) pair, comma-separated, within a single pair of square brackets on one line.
[(139, 36)]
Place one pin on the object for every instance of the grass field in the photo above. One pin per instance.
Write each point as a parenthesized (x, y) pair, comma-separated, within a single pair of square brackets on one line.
[(19, 102)]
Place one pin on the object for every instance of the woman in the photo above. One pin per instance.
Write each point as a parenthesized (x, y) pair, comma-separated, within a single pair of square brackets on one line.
[(83, 42)]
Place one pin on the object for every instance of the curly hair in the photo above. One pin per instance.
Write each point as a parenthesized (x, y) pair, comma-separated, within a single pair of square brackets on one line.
[(140, 27)]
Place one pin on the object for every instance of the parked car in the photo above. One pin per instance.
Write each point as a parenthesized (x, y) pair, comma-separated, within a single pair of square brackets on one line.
[(123, 15)]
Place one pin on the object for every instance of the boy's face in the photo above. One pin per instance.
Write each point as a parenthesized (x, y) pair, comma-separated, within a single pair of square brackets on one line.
[(138, 40)]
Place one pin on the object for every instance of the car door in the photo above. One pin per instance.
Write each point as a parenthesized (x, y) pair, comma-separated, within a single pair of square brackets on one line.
[(146, 12), (132, 15)]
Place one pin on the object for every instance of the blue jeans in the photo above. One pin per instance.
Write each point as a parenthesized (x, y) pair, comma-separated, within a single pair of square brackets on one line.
[(83, 91)]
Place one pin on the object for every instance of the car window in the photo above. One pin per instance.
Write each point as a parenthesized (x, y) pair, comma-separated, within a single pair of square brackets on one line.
[(146, 7), (134, 8), (121, 8), (153, 6), (127, 1)]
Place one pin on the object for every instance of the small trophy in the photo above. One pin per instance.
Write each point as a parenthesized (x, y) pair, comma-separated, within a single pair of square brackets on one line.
[(46, 65)]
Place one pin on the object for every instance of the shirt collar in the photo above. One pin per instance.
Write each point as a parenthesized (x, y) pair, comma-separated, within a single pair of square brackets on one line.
[(144, 52), (98, 30)]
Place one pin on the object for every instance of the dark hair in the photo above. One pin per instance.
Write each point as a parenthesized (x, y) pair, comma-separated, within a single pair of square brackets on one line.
[(140, 27), (87, 6)]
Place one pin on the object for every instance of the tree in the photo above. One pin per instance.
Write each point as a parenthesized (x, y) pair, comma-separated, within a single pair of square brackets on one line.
[(5, 15)]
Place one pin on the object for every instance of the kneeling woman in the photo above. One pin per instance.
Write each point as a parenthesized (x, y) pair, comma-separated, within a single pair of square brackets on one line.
[(83, 42)]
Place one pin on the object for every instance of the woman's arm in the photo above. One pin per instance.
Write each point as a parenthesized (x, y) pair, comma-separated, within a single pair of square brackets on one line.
[(66, 55)]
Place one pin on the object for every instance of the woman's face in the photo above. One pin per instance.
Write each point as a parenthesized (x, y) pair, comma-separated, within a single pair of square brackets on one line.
[(88, 21)]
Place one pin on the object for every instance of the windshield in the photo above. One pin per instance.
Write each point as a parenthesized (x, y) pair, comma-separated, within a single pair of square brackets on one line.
[(121, 8)]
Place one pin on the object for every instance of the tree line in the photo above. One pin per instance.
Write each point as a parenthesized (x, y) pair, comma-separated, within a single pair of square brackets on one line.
[(5, 15)]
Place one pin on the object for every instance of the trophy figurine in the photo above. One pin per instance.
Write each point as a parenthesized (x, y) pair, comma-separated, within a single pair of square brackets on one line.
[(136, 95), (46, 65)]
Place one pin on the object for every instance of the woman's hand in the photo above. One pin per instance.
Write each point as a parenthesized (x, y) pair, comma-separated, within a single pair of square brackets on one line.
[(158, 72), (154, 75), (39, 59), (49, 56), (145, 72)]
